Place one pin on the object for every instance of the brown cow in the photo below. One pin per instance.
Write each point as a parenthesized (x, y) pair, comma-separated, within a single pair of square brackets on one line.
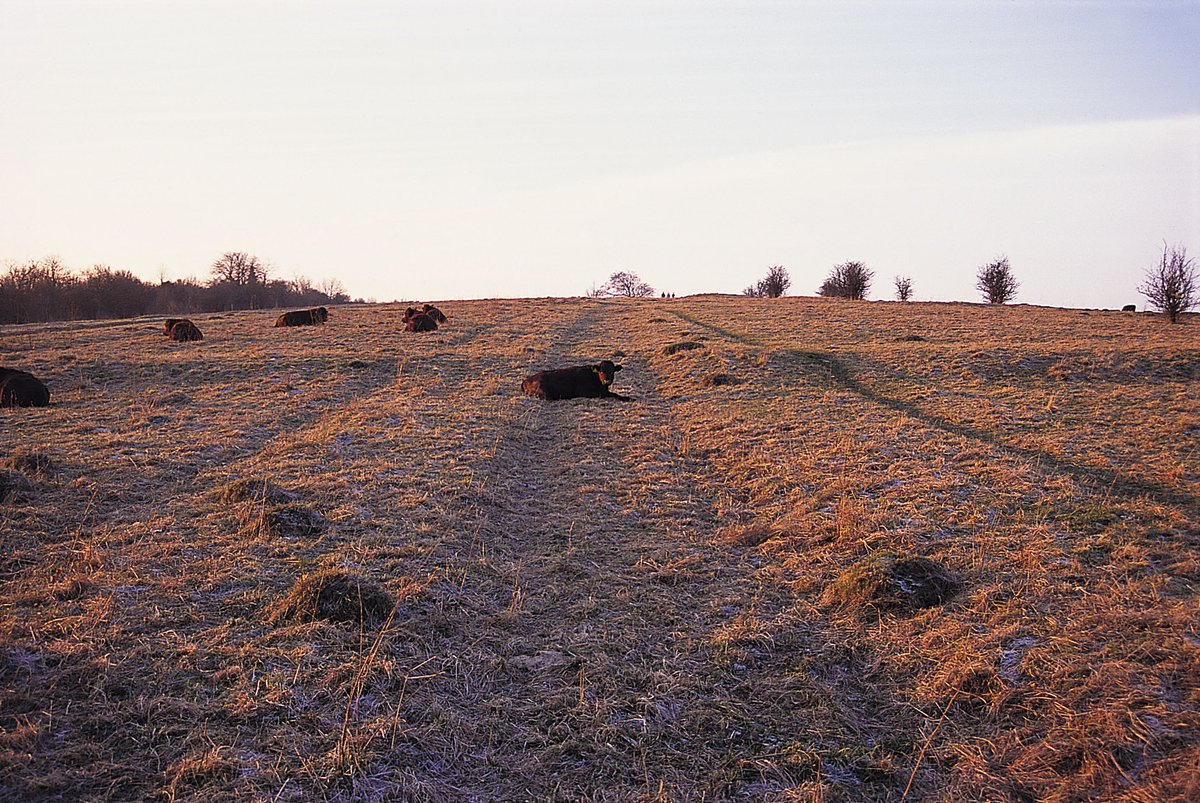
[(22, 389), (435, 313), (183, 329), (578, 381), (169, 323), (303, 317), (419, 322)]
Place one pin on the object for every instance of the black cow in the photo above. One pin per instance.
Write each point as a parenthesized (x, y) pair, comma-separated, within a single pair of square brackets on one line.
[(1129, 308), (303, 317), (169, 323), (22, 389), (578, 381), (183, 329)]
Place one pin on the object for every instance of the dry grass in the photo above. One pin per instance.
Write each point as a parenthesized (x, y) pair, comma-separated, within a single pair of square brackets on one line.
[(715, 593)]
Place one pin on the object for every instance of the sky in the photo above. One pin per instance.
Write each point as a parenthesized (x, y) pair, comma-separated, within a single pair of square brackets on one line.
[(446, 150)]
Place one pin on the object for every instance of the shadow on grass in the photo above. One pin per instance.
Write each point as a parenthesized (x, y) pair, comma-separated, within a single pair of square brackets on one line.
[(1097, 478), (1094, 477)]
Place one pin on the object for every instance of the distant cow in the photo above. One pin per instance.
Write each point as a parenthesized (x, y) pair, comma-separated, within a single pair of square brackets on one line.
[(419, 322), (169, 323), (435, 313), (303, 317), (1129, 308), (578, 381), (183, 329), (22, 389)]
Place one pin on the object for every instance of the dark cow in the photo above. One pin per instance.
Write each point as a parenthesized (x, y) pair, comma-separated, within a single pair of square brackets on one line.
[(420, 322), (169, 323), (303, 317), (578, 381), (435, 313), (22, 389), (184, 330), (1129, 308)]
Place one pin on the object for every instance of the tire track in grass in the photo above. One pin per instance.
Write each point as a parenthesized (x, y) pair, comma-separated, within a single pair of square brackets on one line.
[(624, 657)]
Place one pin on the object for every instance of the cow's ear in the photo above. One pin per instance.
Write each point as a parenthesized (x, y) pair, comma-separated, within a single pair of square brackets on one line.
[(617, 367)]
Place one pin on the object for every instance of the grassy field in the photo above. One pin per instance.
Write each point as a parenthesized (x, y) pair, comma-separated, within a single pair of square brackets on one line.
[(834, 551)]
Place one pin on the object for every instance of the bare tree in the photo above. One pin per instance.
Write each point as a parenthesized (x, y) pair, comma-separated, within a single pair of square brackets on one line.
[(626, 285), (847, 280), (903, 288), (996, 282), (239, 269), (773, 285), (335, 290), (1171, 285), (242, 280)]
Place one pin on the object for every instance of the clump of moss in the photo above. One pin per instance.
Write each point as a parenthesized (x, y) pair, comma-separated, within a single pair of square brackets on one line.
[(889, 581), (334, 595)]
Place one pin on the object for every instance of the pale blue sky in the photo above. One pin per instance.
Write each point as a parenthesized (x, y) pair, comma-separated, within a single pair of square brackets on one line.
[(441, 150)]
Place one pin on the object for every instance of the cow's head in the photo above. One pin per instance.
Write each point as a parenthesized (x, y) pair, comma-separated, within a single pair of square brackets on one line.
[(605, 370)]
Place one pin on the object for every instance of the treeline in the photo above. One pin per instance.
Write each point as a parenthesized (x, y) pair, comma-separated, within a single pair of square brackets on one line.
[(45, 290)]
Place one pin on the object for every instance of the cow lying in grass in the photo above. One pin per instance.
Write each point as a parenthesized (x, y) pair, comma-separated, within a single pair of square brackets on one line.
[(434, 312), (22, 389), (578, 381), (303, 317), (182, 329), (416, 320)]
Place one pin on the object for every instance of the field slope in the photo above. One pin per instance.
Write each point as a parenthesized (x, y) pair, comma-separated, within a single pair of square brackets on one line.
[(833, 551)]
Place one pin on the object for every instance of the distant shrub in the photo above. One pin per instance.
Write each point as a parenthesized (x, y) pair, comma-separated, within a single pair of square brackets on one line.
[(773, 285), (624, 284), (996, 281), (904, 288), (847, 280), (1170, 287)]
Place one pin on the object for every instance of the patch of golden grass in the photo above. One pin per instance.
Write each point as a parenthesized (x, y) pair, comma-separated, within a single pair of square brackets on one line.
[(679, 599)]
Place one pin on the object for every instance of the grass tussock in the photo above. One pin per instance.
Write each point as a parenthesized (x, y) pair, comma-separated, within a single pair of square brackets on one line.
[(13, 486), (334, 595), (35, 464), (890, 581)]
